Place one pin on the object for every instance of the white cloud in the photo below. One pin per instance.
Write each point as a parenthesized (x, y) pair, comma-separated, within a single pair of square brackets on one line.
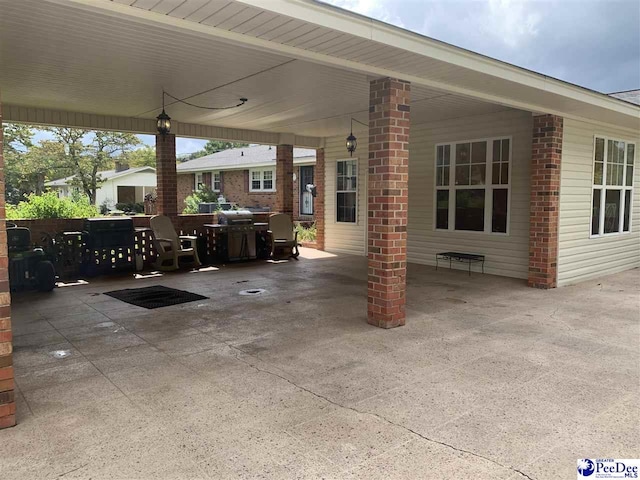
[(513, 22)]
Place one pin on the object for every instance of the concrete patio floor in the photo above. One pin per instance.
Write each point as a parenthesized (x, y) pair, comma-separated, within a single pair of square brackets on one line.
[(488, 380)]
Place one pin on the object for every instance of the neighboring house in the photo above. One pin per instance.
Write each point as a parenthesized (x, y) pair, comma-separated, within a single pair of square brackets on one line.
[(247, 176), (121, 185), (631, 96)]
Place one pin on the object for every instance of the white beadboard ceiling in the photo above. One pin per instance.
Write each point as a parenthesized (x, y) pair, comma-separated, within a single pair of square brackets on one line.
[(113, 58)]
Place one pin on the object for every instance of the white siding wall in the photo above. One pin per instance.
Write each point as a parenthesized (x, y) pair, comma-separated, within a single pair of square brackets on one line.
[(108, 191), (345, 237), (581, 257), (505, 255)]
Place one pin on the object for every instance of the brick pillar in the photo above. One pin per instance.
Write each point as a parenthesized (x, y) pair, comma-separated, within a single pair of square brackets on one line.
[(546, 155), (284, 179), (7, 401), (167, 202), (318, 202), (389, 121)]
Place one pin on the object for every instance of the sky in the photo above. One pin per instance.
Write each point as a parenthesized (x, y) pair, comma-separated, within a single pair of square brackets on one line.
[(592, 43)]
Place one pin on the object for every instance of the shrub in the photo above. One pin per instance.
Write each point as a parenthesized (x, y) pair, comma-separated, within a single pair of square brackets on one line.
[(49, 205), (306, 234), (206, 195)]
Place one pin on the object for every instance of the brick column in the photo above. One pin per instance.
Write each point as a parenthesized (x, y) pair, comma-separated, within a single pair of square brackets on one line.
[(7, 401), (318, 202), (546, 155), (284, 179), (167, 202), (387, 193)]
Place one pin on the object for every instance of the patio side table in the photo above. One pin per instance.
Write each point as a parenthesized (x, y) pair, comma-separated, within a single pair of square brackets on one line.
[(143, 245)]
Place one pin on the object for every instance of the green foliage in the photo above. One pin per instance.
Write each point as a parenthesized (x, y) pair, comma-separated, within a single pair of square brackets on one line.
[(205, 195), (214, 146), (306, 234), (142, 157), (49, 205)]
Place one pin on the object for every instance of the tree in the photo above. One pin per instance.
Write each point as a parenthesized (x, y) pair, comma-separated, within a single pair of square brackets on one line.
[(214, 146), (17, 141), (142, 157), (85, 159)]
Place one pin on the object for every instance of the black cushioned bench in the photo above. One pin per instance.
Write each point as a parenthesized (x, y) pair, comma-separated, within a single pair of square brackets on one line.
[(460, 257)]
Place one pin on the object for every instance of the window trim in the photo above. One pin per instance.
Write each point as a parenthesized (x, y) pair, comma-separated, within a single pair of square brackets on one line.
[(201, 174), (213, 180), (357, 191), (488, 187), (262, 189), (604, 187)]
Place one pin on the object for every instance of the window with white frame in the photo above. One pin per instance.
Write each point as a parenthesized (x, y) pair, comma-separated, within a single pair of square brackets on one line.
[(473, 186), (216, 181), (347, 191), (262, 180), (613, 162), (201, 181)]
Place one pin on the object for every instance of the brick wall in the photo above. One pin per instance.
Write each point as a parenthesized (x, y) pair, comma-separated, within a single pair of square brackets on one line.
[(318, 205), (389, 121), (284, 179), (167, 188), (7, 399), (185, 188), (235, 188), (546, 156)]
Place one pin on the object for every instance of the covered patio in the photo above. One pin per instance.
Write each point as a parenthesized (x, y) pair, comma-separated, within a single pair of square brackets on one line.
[(489, 378)]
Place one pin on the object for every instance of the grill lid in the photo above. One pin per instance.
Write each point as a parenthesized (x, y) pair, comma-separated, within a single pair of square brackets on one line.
[(235, 217)]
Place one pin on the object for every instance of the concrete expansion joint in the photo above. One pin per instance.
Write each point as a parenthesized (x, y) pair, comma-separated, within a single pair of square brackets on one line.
[(364, 412)]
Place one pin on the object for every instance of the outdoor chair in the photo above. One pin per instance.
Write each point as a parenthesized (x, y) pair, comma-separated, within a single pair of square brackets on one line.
[(283, 236), (170, 246)]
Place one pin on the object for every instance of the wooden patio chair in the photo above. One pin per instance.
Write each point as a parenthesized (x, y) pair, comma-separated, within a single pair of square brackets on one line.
[(171, 247), (283, 236)]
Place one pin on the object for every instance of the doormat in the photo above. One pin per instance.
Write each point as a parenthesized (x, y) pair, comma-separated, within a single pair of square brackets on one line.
[(154, 297)]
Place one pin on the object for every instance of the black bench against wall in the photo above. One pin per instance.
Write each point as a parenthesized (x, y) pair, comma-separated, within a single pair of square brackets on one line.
[(468, 258)]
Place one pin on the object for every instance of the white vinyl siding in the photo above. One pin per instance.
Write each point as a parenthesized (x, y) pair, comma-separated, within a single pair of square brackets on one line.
[(345, 237), (506, 255), (581, 257)]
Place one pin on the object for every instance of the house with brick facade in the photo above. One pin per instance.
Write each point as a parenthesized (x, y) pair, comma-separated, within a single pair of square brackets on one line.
[(246, 177), (456, 151)]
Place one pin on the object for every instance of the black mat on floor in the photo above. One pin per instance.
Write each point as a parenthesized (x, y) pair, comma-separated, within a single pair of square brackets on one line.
[(154, 297)]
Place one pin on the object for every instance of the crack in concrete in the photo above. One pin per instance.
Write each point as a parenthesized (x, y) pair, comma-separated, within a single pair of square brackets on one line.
[(363, 412), (72, 470)]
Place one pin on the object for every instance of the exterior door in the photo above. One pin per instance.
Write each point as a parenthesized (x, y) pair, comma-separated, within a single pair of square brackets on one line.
[(306, 199)]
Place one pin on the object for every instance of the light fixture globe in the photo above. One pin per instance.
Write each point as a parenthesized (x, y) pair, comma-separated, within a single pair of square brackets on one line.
[(164, 123), (352, 143)]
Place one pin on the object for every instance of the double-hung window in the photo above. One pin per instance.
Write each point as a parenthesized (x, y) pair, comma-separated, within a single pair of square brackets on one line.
[(347, 191), (613, 163), (208, 179), (262, 180), (472, 186)]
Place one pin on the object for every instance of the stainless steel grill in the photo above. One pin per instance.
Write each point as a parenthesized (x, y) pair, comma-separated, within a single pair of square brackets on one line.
[(239, 234)]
